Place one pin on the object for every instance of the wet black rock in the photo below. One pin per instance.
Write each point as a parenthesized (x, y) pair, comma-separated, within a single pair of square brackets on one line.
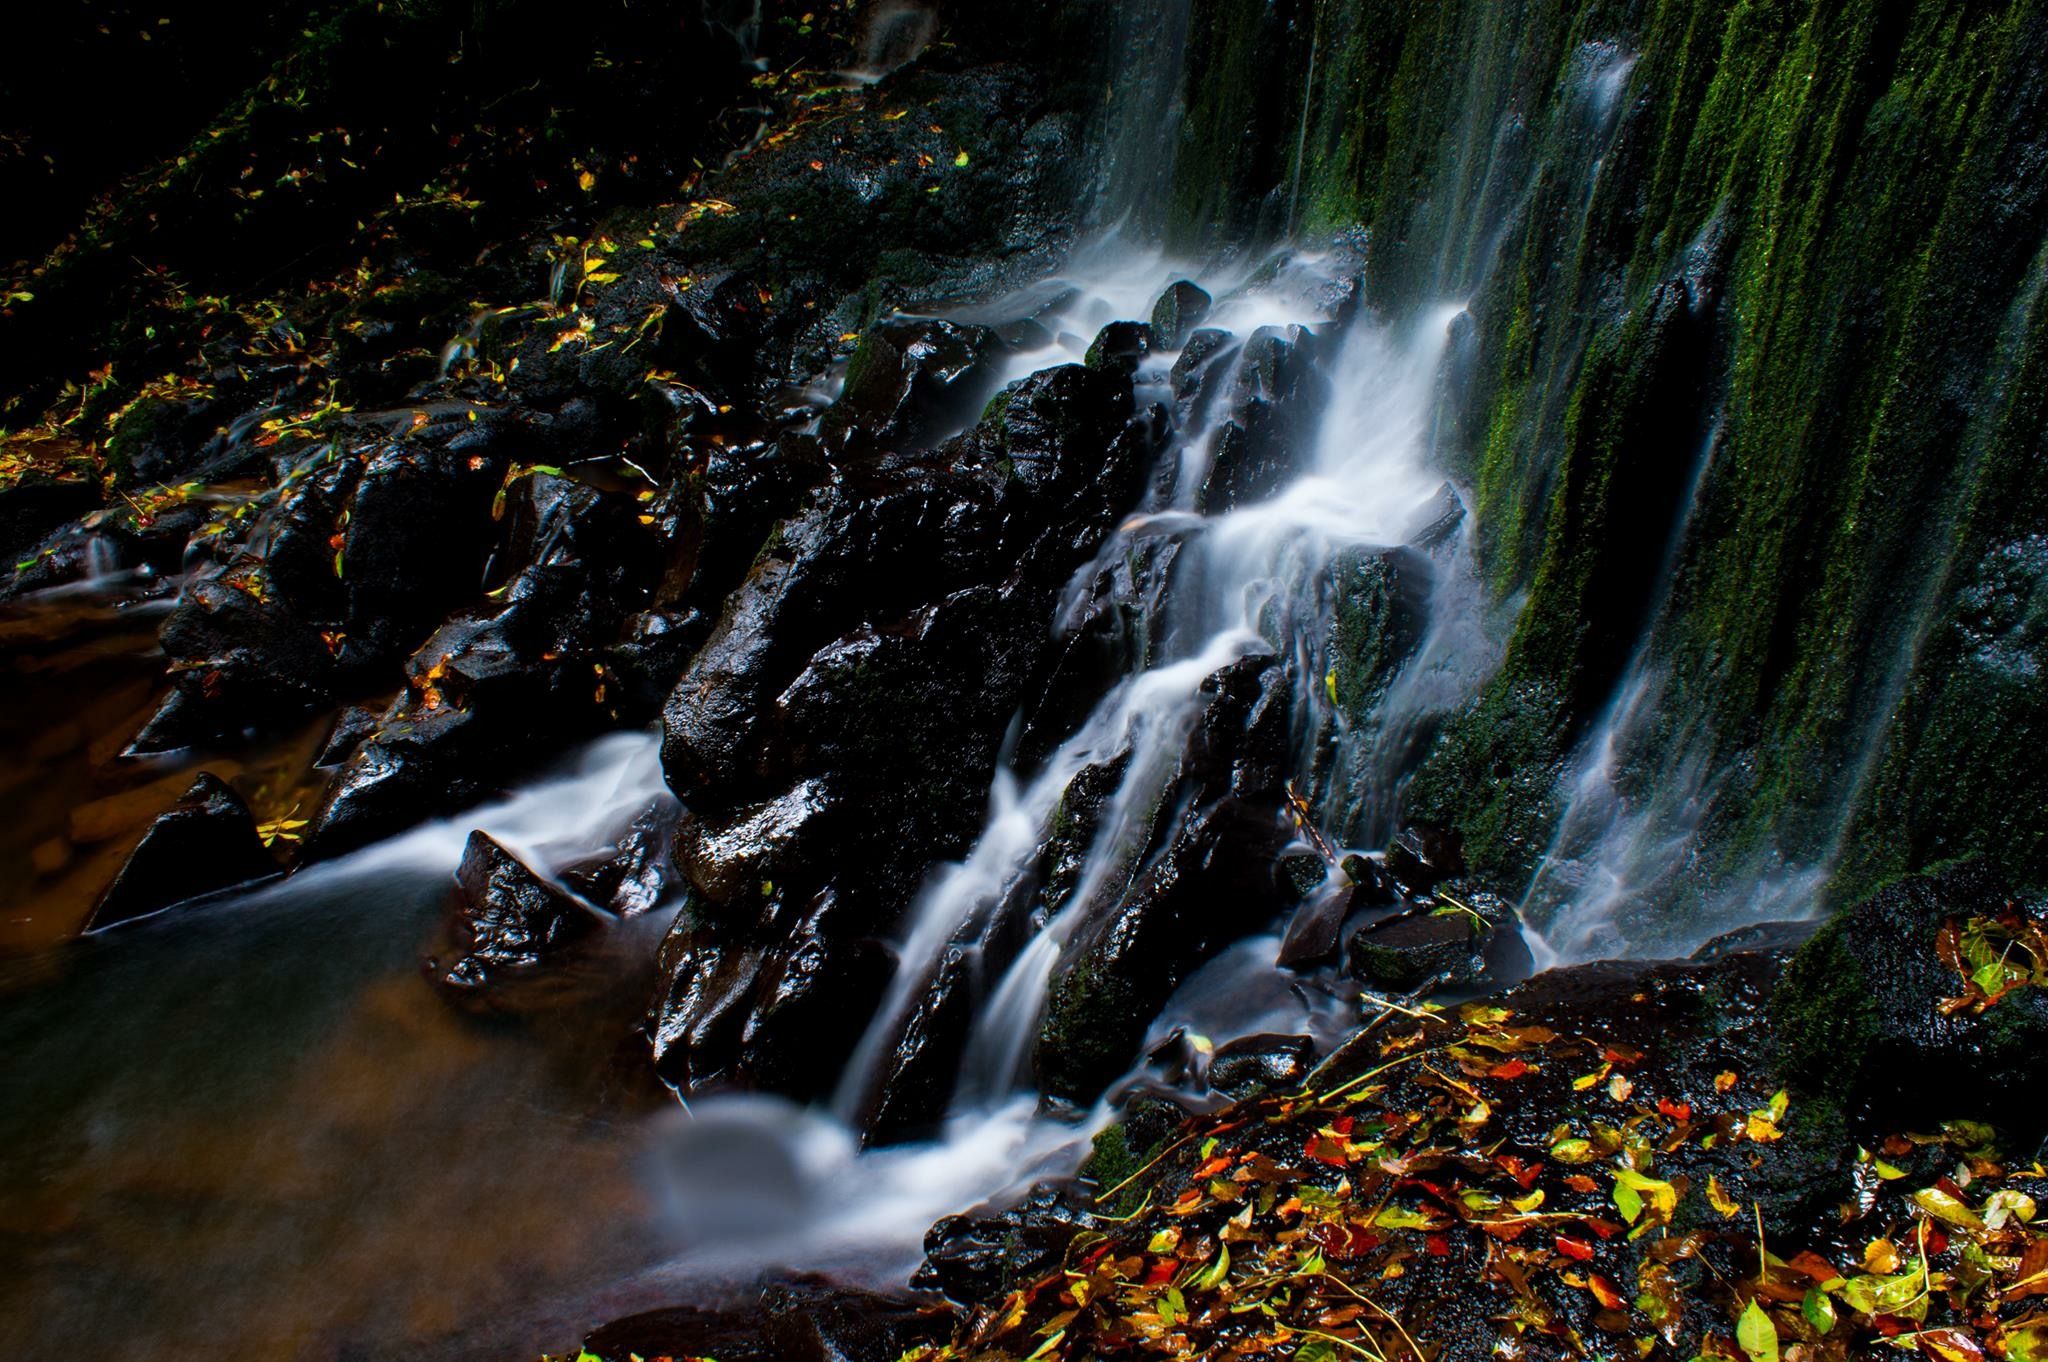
[(505, 918), (1183, 307), (916, 1083), (1861, 1018), (488, 695), (735, 860), (1382, 609), (1424, 856), (419, 529), (685, 1331), (1199, 362), (1403, 954), (1315, 933), (634, 875), (911, 377), (351, 727), (33, 506), (204, 844), (1275, 396), (811, 1322), (982, 1253), (1210, 883), (1120, 345), (1255, 1064), (796, 1038)]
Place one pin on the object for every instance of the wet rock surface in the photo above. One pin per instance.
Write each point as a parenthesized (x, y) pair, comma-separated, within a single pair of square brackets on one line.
[(205, 844), (505, 919)]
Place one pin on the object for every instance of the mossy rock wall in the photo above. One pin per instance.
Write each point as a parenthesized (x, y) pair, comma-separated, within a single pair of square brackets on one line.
[(1766, 272)]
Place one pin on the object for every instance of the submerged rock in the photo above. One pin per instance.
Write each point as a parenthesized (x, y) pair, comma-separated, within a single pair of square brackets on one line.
[(206, 843), (982, 1253)]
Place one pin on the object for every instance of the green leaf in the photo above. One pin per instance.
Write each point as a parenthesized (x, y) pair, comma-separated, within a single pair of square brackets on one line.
[(1757, 1335), (1211, 1277), (1818, 1310), (1628, 1202), (1942, 1206)]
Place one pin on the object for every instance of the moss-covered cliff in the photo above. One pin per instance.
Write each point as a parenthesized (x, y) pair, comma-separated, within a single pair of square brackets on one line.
[(1756, 364)]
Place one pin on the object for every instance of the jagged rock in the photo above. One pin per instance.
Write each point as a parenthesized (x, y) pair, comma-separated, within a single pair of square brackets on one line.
[(1316, 931), (206, 843), (34, 505), (685, 1331), (350, 728), (1120, 345), (916, 1082), (1439, 520), (1183, 307), (796, 1039), (1275, 396), (419, 529), (1256, 1064), (487, 694), (242, 659), (1198, 364), (706, 991), (633, 876), (1211, 882), (505, 918)]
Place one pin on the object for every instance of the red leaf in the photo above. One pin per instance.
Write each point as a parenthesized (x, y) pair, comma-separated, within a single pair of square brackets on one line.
[(1574, 1248), (1513, 1068), (1677, 1111), (1438, 1246), (1604, 1292)]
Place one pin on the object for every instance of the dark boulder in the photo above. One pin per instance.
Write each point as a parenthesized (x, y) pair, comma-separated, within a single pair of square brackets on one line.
[(34, 505), (703, 1002), (1201, 359), (1275, 396), (241, 659), (1865, 1018), (504, 918), (810, 995), (1315, 933), (419, 530), (1210, 882), (911, 377), (814, 1322), (684, 1331), (735, 860), (206, 843), (490, 693), (1183, 307), (1254, 1064), (1405, 953), (978, 1255), (633, 876), (1424, 856), (1120, 345), (1382, 609), (351, 728), (917, 1076)]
